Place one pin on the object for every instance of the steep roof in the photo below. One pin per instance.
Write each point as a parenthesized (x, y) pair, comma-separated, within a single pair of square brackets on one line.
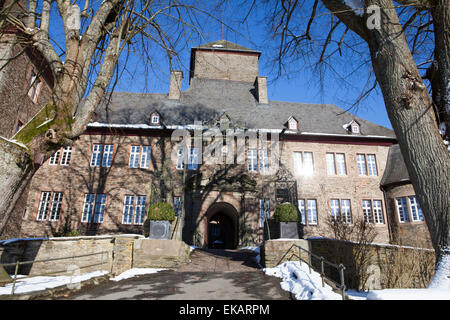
[(396, 171), (207, 99)]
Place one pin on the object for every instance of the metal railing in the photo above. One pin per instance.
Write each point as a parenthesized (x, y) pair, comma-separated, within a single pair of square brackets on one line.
[(18, 263), (339, 267)]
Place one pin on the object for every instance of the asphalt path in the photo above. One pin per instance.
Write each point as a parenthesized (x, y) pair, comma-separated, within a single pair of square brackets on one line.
[(210, 275)]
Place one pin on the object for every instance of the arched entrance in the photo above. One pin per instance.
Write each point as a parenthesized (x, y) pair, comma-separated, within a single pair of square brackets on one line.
[(222, 226)]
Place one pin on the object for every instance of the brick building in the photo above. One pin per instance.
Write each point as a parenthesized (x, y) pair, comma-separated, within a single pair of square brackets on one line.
[(332, 163), (25, 87)]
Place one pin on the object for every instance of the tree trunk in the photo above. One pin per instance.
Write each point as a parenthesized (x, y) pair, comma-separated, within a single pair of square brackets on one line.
[(16, 169), (440, 12), (411, 114)]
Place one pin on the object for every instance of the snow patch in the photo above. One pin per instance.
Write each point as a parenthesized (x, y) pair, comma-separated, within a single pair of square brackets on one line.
[(409, 294), (305, 286), (40, 283), (136, 272)]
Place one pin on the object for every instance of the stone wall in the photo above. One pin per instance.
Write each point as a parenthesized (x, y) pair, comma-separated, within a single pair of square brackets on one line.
[(275, 252), (120, 253), (378, 266)]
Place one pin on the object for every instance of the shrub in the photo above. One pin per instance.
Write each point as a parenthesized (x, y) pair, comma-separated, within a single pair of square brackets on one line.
[(161, 211), (286, 212)]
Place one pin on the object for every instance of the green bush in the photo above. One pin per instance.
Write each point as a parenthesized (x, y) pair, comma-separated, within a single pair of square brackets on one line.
[(161, 211), (286, 212)]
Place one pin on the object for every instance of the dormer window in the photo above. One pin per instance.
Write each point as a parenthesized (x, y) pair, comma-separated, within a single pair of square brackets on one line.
[(352, 127), (155, 119), (292, 124)]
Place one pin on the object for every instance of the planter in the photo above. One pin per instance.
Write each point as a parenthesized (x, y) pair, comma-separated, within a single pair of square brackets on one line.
[(160, 229), (283, 230)]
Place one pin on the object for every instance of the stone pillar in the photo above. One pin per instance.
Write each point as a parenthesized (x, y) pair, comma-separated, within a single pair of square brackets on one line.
[(122, 254)]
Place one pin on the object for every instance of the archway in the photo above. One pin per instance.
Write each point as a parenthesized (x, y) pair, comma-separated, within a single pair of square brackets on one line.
[(222, 226)]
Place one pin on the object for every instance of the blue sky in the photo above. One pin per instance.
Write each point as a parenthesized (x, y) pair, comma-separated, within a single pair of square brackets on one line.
[(298, 84)]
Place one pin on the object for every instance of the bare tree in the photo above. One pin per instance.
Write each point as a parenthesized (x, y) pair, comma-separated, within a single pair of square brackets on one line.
[(398, 39), (96, 35)]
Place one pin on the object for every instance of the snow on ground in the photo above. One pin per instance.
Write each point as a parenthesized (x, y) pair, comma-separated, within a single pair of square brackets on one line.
[(258, 251), (297, 279), (136, 272), (40, 283), (409, 294)]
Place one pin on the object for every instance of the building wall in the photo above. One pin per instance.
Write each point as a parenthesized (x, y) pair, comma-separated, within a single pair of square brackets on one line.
[(227, 65), (16, 104), (208, 185), (413, 233)]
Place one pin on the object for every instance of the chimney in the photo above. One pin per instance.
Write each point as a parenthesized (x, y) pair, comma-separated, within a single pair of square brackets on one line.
[(261, 90), (175, 84)]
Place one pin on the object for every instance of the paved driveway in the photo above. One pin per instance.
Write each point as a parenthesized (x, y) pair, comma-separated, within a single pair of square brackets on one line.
[(211, 275)]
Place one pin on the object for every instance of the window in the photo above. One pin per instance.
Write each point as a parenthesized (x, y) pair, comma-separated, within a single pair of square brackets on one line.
[(139, 157), (47, 210), (104, 158), (416, 211), (252, 160), (33, 86), (155, 119), (312, 211), (134, 212), (336, 164), (61, 156), (367, 164), (54, 159), (402, 209), (303, 163), (264, 211), (263, 160), (310, 214), (94, 207), (355, 128), (346, 211), (180, 158), (361, 162), (372, 165), (65, 157), (193, 159), (408, 209), (367, 211), (177, 205), (378, 212), (43, 206), (340, 209), (292, 125)]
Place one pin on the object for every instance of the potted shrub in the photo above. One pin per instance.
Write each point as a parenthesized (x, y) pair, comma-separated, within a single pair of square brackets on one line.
[(287, 220), (159, 221)]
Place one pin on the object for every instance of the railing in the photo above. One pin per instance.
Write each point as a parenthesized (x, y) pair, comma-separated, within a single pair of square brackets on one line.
[(340, 268), (16, 264)]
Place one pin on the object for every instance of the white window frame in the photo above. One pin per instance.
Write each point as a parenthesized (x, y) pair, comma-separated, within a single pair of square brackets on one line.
[(355, 126), (44, 203), (378, 211), (416, 211), (402, 209), (128, 209), (341, 166), (193, 159), (361, 164), (252, 158), (372, 165), (94, 207), (146, 152), (155, 116), (54, 159), (298, 162), (334, 208), (65, 156), (292, 125), (312, 211), (133, 161), (346, 210), (107, 155), (180, 158), (303, 163), (96, 155), (140, 211), (263, 160), (56, 206), (367, 210), (331, 164)]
